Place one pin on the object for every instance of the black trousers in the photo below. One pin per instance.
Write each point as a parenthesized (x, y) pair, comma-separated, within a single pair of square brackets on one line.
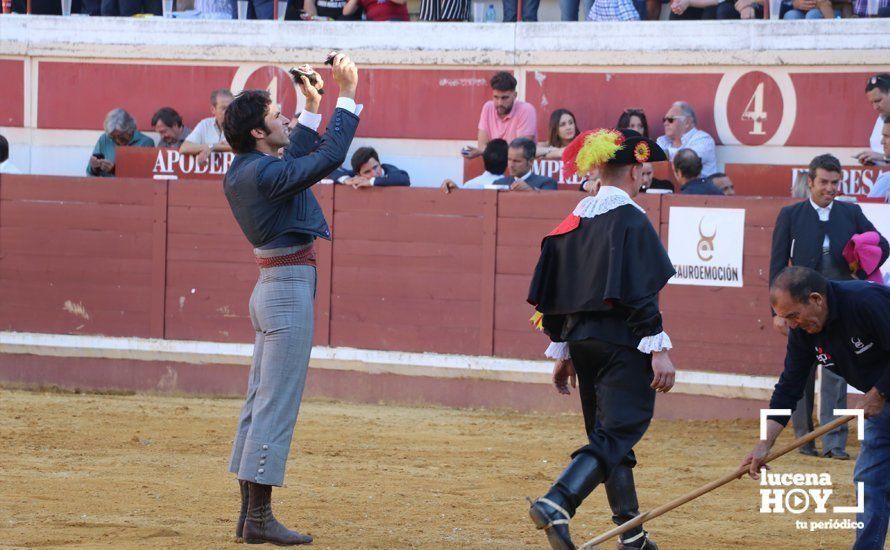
[(616, 399)]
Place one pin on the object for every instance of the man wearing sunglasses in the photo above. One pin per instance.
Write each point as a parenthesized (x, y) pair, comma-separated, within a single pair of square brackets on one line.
[(680, 132)]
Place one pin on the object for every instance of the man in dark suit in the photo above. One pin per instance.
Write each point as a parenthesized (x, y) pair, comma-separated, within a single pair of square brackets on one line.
[(520, 159), (813, 234), (368, 172), (687, 167)]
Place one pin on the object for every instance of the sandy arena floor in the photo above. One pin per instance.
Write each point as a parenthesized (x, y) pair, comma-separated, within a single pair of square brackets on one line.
[(149, 471)]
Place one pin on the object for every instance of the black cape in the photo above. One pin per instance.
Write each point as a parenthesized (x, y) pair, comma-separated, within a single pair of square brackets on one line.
[(616, 257)]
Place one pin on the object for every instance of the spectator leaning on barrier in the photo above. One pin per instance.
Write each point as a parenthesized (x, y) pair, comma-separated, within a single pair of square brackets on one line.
[(495, 160), (208, 136), (723, 183), (120, 130), (877, 91), (561, 131), (6, 165), (680, 132), (647, 173), (520, 158), (881, 187), (378, 10), (813, 233), (503, 117), (687, 171), (368, 172), (634, 119), (168, 124)]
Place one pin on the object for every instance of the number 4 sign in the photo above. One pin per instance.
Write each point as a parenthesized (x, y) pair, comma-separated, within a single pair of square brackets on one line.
[(755, 107)]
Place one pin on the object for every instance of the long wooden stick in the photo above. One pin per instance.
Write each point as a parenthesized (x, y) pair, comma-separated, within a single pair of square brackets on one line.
[(676, 503)]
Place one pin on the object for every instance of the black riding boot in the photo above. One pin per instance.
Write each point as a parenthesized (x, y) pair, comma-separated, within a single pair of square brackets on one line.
[(261, 526), (239, 530), (622, 495), (553, 511)]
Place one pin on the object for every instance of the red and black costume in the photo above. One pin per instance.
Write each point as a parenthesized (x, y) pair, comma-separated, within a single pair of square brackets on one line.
[(596, 287)]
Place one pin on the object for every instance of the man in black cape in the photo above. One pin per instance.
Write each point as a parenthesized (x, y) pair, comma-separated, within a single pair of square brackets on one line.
[(596, 289)]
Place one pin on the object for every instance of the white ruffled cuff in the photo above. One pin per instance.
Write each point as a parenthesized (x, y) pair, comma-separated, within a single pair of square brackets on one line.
[(657, 342), (557, 350)]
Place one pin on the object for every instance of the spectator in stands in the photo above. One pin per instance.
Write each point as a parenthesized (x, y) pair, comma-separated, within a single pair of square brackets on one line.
[(680, 132), (568, 9), (693, 10), (613, 10), (881, 187), (6, 165), (445, 10), (378, 10), (634, 119), (529, 10), (495, 160), (562, 130), (520, 158), (860, 8), (877, 91), (216, 9), (208, 137), (120, 130), (368, 172), (503, 117), (723, 183), (129, 8), (816, 9), (332, 9), (168, 124), (651, 182), (740, 9), (687, 167)]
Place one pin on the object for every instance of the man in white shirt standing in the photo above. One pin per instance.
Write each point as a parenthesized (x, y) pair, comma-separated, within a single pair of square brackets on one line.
[(877, 91), (680, 132), (881, 188), (208, 136)]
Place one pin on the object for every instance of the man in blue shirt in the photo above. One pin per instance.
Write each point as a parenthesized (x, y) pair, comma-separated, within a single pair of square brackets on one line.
[(687, 166), (845, 326)]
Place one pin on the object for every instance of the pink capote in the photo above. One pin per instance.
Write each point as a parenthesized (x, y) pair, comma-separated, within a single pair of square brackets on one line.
[(863, 252)]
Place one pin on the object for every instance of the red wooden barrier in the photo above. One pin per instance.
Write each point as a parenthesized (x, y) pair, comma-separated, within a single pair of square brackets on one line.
[(76, 255), (408, 270)]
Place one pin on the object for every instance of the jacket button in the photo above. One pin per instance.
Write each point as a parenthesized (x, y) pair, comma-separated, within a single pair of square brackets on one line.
[(265, 447)]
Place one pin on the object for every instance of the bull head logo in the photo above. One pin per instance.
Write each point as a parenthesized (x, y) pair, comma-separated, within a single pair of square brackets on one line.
[(705, 248)]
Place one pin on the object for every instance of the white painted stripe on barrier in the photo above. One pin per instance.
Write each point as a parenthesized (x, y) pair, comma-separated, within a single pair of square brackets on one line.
[(187, 351)]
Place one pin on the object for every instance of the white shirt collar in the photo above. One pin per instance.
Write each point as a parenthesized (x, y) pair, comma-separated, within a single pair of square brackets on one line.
[(526, 176), (608, 198), (821, 209)]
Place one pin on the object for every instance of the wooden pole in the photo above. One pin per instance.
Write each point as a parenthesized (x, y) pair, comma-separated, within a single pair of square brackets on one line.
[(676, 503)]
